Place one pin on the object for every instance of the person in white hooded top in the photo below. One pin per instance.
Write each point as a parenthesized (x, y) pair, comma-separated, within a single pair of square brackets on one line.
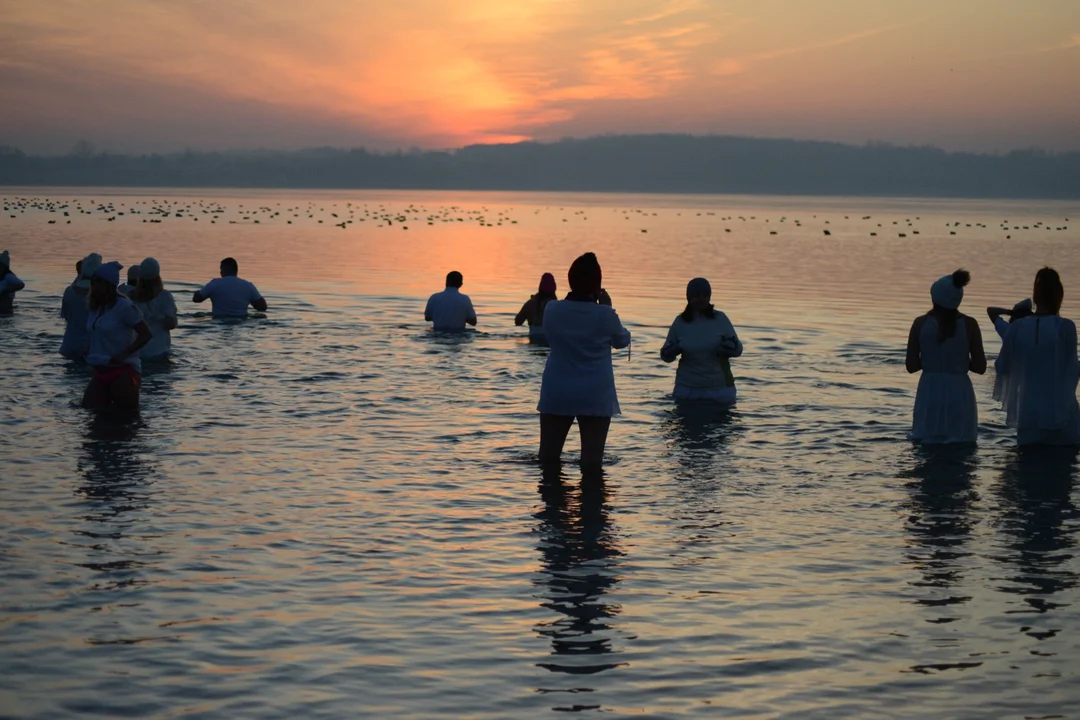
[(945, 345), (1038, 370), (706, 341), (117, 333)]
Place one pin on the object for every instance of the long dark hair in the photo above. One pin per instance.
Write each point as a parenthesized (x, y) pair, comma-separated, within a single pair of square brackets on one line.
[(1049, 292), (147, 289), (946, 318), (688, 314)]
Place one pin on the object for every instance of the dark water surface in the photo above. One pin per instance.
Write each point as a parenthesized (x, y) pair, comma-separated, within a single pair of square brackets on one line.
[(330, 512)]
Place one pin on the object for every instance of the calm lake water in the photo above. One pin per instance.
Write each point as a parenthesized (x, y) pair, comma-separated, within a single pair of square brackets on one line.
[(330, 512)]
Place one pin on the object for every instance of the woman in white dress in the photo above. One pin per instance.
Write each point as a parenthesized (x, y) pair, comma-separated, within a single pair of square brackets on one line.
[(117, 333), (579, 381), (706, 341), (945, 345), (158, 309), (1038, 370)]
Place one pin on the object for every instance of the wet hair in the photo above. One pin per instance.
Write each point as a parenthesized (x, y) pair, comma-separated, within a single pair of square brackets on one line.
[(454, 279), (147, 289), (78, 267), (688, 314), (946, 318), (585, 275), (229, 266), (1049, 292), (102, 294)]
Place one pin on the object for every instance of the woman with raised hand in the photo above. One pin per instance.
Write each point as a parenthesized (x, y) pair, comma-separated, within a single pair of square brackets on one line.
[(704, 341), (579, 381), (117, 333), (945, 345), (1038, 370), (532, 311), (158, 309)]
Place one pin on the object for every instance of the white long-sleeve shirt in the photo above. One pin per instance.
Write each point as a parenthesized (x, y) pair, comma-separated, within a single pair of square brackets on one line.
[(705, 345)]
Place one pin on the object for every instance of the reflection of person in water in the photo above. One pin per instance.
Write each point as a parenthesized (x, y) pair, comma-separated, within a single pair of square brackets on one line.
[(579, 561), (940, 524), (1039, 521)]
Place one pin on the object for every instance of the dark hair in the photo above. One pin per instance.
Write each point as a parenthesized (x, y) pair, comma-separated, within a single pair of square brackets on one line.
[(147, 289), (585, 275), (78, 267), (688, 314), (110, 294), (229, 266), (946, 318), (454, 279), (1048, 292)]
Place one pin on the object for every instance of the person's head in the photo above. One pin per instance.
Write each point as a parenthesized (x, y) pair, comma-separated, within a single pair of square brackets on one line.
[(78, 268), (454, 279), (547, 285), (585, 276), (948, 291), (1021, 309), (149, 280), (5, 262), (698, 299), (229, 267), (133, 275), (90, 265), (1049, 292), (103, 285)]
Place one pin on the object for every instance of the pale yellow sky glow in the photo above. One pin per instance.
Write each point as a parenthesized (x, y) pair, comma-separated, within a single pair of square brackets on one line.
[(166, 74)]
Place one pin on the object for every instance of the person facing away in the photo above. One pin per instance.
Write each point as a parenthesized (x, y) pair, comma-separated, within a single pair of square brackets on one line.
[(74, 309), (945, 344), (532, 311), (230, 295), (128, 289), (158, 308), (117, 333), (704, 341), (451, 309), (1039, 370), (578, 380), (9, 285)]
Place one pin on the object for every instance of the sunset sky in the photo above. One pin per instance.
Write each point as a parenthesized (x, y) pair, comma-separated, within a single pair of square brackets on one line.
[(141, 75)]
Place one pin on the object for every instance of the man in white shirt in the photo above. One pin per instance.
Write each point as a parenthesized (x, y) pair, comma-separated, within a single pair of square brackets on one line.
[(450, 309), (229, 294)]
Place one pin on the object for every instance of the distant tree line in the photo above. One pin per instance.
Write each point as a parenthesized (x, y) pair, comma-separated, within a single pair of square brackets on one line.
[(631, 163)]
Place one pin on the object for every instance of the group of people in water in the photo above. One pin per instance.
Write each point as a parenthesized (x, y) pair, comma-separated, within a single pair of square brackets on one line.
[(114, 327)]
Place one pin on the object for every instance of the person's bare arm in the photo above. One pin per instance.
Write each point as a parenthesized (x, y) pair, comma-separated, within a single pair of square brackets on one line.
[(171, 322), (996, 312), (143, 335), (913, 362), (259, 304), (198, 297), (975, 347)]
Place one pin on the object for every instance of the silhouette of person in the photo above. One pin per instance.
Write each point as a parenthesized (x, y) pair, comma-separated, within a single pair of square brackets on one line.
[(450, 310), (704, 341), (230, 295), (9, 284), (532, 311), (945, 344)]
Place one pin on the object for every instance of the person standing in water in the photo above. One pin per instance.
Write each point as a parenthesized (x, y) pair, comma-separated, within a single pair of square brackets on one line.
[(74, 309), (158, 308), (1039, 370), (945, 345), (230, 295), (1020, 310), (451, 309), (9, 285), (117, 333), (533, 309), (579, 381), (706, 341)]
